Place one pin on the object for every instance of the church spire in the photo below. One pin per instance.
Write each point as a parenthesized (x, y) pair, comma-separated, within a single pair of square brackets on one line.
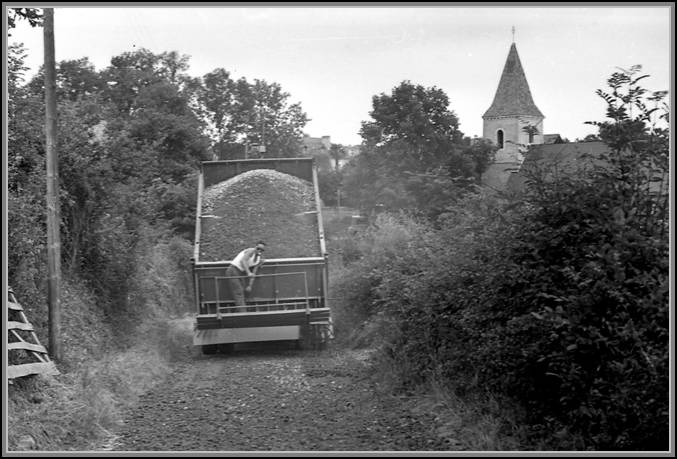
[(513, 97)]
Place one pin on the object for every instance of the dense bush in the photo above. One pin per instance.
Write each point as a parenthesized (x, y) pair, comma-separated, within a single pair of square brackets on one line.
[(583, 338), (578, 330), (430, 283), (571, 322), (558, 301), (356, 278)]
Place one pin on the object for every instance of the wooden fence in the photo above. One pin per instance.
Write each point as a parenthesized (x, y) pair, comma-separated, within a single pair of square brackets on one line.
[(26, 355)]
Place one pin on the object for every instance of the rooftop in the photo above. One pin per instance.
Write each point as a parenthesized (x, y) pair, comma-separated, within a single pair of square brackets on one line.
[(513, 97)]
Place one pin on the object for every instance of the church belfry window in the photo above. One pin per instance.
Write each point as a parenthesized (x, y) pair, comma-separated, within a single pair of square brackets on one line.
[(499, 138)]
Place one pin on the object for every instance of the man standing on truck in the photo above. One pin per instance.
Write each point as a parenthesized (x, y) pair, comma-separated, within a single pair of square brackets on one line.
[(242, 271)]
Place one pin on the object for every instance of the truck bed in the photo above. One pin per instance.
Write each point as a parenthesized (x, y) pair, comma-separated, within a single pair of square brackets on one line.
[(288, 299)]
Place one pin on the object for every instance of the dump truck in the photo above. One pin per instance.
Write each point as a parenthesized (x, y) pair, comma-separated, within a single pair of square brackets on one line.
[(240, 202)]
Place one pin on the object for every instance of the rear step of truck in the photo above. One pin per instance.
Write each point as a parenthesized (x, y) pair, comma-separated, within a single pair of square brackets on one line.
[(263, 318)]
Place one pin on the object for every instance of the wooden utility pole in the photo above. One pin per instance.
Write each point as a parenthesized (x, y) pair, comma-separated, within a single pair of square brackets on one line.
[(53, 219)]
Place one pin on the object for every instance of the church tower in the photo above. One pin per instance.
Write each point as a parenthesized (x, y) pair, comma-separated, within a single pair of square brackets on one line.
[(512, 122)]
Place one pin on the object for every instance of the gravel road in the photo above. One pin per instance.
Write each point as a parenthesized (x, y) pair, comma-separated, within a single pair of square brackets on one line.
[(274, 398)]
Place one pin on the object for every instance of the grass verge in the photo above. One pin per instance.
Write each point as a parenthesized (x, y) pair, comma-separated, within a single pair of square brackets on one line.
[(76, 411)]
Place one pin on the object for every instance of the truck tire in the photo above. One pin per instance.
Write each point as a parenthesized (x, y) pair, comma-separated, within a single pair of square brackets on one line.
[(208, 349), (313, 337)]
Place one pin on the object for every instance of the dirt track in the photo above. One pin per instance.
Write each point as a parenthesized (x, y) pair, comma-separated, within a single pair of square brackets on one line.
[(274, 398)]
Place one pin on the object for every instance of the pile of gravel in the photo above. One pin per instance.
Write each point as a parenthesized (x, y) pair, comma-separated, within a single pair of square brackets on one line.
[(260, 204)]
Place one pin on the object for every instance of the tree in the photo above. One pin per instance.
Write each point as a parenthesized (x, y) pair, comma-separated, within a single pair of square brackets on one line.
[(414, 155), (26, 207), (217, 99), (77, 79), (331, 178), (155, 133), (25, 113), (412, 127), (481, 152), (129, 141), (74, 79), (590, 138), (16, 68), (241, 115), (638, 136), (129, 72), (531, 131), (85, 176), (337, 152), (34, 17), (329, 183)]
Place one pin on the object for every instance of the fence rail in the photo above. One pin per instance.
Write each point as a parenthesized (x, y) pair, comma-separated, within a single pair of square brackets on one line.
[(23, 344)]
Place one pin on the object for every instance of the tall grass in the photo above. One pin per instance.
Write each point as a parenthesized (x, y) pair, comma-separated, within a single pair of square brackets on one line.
[(105, 370), (76, 410)]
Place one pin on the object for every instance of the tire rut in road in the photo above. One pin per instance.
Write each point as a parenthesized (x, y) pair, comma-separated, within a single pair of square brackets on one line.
[(273, 400)]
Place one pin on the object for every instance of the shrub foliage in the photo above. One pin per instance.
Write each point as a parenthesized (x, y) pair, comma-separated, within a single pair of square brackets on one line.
[(558, 300)]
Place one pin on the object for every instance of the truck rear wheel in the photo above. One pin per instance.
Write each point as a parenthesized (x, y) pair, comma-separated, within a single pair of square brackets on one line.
[(208, 349), (314, 337)]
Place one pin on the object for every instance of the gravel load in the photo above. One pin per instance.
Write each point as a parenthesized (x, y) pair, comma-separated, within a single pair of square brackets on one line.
[(261, 204)]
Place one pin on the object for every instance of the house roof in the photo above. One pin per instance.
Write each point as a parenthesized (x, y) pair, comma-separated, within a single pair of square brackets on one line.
[(552, 138), (564, 153), (314, 142), (513, 97), (560, 157)]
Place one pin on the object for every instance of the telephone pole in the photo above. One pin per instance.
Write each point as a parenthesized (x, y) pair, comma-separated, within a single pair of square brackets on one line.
[(53, 239)]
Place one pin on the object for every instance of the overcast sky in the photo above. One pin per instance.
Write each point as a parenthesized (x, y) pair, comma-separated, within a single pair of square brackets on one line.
[(334, 59)]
